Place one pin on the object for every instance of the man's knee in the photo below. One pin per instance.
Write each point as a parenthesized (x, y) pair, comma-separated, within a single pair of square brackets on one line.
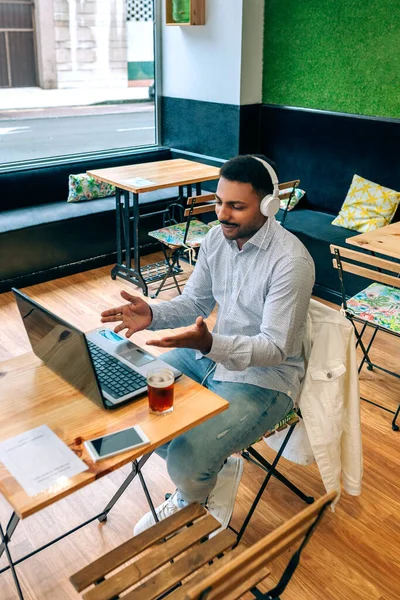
[(186, 461)]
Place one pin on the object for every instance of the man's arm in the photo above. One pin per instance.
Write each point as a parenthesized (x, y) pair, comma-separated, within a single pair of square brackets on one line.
[(196, 300), (284, 313)]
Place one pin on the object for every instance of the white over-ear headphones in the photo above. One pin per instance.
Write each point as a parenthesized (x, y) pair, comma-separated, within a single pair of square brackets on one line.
[(270, 204)]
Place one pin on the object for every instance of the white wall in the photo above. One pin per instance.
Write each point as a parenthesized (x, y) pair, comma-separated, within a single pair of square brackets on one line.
[(252, 52), (220, 61), (203, 62)]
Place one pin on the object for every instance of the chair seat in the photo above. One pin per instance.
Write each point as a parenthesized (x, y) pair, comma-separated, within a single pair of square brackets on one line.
[(174, 234), (378, 304), (177, 550), (288, 420)]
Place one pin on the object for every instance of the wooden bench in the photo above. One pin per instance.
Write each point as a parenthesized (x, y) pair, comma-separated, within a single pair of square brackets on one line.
[(176, 555)]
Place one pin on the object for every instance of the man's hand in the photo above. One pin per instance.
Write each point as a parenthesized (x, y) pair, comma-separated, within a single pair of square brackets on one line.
[(197, 338), (134, 316)]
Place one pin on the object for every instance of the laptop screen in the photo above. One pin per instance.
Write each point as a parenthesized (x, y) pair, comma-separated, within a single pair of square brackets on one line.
[(60, 346)]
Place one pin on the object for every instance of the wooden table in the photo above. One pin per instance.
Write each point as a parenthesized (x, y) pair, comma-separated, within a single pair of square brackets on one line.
[(32, 395), (137, 179), (385, 240)]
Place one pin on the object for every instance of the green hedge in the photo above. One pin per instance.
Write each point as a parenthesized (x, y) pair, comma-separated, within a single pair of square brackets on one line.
[(338, 55)]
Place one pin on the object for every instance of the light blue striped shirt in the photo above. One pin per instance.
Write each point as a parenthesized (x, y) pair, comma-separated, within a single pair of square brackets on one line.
[(263, 292)]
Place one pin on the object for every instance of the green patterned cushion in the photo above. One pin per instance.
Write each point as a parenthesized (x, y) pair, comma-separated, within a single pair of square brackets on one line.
[(174, 234), (295, 199), (291, 415), (379, 304), (85, 187)]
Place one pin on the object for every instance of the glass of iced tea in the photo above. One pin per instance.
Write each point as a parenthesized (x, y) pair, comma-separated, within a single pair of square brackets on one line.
[(160, 388)]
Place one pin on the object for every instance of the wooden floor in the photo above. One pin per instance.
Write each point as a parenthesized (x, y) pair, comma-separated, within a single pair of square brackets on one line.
[(355, 554)]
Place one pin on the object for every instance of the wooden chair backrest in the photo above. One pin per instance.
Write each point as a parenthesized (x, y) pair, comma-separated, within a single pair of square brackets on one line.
[(225, 580), (208, 200), (290, 186), (345, 255), (206, 203), (190, 552)]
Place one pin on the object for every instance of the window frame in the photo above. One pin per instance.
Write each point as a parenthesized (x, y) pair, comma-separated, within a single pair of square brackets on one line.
[(27, 164)]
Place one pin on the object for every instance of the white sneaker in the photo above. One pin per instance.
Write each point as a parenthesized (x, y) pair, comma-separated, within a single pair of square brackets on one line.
[(221, 501), (166, 509)]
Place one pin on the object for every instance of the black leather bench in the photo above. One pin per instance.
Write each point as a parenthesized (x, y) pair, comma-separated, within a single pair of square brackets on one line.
[(324, 150), (42, 236)]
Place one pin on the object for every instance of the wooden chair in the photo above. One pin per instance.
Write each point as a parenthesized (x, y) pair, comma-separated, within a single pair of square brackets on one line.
[(287, 191), (377, 306), (178, 238), (175, 559)]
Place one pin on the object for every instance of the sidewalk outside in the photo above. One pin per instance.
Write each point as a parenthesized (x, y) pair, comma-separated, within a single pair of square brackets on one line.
[(19, 100)]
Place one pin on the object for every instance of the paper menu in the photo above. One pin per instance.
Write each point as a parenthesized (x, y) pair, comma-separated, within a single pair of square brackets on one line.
[(138, 182), (38, 459)]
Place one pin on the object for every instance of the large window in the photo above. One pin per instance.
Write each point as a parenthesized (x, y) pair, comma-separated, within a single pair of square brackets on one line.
[(76, 77)]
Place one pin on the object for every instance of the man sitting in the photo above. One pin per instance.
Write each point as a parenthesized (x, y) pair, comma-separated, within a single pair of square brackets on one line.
[(261, 277)]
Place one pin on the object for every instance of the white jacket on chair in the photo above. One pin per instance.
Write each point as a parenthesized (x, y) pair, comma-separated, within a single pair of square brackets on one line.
[(329, 402)]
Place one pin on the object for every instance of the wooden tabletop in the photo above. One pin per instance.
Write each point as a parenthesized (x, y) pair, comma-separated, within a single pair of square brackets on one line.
[(32, 395), (146, 177), (385, 240)]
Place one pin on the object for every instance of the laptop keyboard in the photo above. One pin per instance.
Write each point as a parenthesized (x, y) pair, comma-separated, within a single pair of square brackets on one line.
[(115, 378)]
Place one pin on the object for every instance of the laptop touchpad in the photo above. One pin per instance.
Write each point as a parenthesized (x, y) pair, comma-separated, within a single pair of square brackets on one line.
[(135, 356)]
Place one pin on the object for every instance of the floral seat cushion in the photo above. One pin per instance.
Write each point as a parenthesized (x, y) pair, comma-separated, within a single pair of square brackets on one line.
[(294, 200), (174, 234), (85, 187), (379, 304)]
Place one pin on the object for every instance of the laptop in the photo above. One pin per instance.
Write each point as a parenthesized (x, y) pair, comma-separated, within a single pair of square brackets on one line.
[(103, 365)]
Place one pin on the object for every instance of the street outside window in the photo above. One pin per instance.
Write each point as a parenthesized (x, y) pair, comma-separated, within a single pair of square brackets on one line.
[(76, 77)]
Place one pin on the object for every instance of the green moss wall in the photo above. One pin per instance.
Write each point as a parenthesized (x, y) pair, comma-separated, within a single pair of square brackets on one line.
[(337, 55)]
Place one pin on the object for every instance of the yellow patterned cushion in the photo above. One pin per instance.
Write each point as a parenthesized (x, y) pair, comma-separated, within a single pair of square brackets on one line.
[(367, 206)]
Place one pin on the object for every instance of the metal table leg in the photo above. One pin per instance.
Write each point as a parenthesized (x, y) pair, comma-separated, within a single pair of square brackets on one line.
[(11, 526), (5, 537), (125, 240), (127, 237), (4, 544), (127, 233), (118, 226)]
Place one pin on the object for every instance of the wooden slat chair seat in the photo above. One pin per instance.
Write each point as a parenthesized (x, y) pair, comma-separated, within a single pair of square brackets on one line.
[(377, 306), (176, 555)]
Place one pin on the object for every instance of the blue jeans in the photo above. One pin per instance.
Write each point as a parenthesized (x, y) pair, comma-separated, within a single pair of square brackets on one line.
[(195, 457)]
